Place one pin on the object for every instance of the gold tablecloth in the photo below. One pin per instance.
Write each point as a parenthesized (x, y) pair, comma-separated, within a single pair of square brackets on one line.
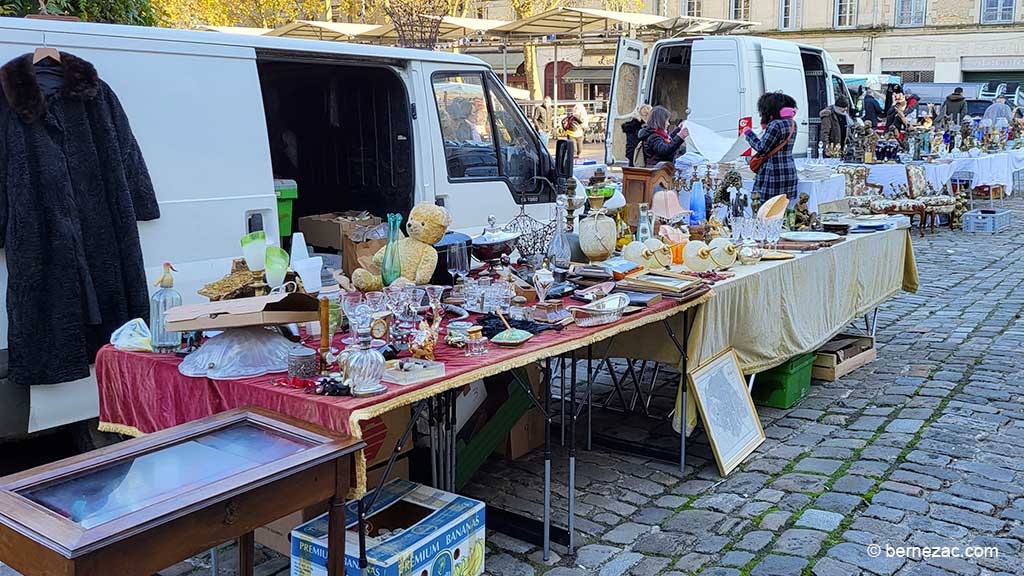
[(773, 311)]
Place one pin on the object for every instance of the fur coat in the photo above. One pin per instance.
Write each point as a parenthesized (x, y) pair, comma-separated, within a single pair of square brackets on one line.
[(73, 183)]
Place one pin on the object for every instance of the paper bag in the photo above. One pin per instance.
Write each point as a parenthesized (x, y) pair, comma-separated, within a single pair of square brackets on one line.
[(353, 252)]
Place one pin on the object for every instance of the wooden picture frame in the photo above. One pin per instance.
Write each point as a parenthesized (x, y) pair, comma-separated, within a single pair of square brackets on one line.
[(726, 409)]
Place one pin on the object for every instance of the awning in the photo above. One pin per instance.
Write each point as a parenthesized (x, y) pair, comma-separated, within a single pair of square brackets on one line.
[(334, 31), (236, 30), (591, 75), (454, 27), (690, 25), (563, 20)]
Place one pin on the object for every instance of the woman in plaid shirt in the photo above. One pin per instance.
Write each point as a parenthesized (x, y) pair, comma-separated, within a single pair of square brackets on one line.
[(778, 173)]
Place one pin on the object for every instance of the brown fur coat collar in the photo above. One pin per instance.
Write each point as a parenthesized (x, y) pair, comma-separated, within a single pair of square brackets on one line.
[(18, 82)]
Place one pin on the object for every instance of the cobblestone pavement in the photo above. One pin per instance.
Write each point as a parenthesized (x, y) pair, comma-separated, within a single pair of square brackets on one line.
[(924, 447)]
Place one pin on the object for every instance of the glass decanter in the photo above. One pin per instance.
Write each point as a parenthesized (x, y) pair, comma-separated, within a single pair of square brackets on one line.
[(167, 297), (559, 253), (391, 268), (364, 366)]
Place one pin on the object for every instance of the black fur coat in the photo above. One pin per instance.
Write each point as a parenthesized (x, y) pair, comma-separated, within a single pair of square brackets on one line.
[(72, 186)]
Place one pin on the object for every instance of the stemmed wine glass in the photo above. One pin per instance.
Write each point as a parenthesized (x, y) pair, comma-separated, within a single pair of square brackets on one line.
[(774, 233), (350, 302), (458, 261)]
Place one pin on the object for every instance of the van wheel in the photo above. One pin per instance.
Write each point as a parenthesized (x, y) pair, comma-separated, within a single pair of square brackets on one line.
[(86, 436)]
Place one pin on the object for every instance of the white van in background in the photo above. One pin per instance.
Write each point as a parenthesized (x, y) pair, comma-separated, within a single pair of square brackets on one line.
[(719, 79), (219, 116)]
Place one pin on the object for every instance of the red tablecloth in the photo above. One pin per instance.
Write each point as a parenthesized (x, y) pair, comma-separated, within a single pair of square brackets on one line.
[(141, 393)]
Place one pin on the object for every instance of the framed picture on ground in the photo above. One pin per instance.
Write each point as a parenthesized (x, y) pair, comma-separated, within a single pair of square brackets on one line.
[(726, 409)]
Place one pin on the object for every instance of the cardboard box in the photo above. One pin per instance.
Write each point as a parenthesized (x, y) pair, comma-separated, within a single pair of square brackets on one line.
[(269, 310), (329, 230), (381, 433), (842, 355), (278, 534), (438, 533), (528, 432)]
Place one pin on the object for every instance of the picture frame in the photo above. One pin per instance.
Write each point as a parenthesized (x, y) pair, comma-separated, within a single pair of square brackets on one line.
[(726, 409)]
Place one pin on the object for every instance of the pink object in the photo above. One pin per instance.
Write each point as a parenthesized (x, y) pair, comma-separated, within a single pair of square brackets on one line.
[(787, 112), (665, 205)]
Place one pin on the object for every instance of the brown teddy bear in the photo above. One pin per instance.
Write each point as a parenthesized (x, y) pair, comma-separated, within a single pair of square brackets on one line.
[(427, 225)]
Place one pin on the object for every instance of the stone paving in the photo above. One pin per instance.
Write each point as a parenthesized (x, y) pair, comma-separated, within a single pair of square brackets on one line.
[(921, 448)]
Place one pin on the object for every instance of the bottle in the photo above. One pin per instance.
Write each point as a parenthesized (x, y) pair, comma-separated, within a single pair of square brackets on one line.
[(625, 234), (643, 226), (559, 253), (364, 366), (163, 300), (391, 268), (698, 204)]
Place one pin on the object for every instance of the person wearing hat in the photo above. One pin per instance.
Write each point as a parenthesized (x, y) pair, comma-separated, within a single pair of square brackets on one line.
[(955, 106)]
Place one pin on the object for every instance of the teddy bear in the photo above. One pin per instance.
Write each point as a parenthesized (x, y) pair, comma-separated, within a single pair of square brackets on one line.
[(427, 225)]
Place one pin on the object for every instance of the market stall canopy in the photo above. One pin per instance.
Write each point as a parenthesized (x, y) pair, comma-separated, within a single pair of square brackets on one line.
[(686, 25), (236, 30), (517, 93), (564, 20), (334, 31), (588, 75), (453, 27)]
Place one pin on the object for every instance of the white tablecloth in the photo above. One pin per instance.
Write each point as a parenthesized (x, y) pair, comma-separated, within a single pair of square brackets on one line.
[(584, 172), (820, 191), (988, 169)]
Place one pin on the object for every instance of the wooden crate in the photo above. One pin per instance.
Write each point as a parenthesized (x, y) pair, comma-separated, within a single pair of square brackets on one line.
[(842, 355)]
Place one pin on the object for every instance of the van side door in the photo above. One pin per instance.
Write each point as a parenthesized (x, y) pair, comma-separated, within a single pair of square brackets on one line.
[(487, 158), (623, 98)]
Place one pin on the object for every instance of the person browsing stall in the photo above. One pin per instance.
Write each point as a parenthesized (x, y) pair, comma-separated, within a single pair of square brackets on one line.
[(835, 125), (777, 172), (658, 144), (631, 128)]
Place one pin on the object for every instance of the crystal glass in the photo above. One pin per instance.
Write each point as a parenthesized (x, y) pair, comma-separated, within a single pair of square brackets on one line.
[(349, 302), (376, 301), (558, 252), (458, 261), (434, 294), (774, 232)]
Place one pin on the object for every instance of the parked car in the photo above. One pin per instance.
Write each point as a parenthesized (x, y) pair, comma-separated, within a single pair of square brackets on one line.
[(716, 81), (218, 116)]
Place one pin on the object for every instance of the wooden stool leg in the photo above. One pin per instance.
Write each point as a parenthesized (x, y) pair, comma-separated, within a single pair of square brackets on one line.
[(246, 554), (336, 517)]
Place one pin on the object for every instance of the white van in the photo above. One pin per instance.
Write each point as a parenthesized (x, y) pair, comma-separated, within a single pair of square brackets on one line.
[(218, 116), (719, 79)]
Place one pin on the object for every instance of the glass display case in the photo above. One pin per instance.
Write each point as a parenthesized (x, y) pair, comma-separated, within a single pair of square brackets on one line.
[(152, 501)]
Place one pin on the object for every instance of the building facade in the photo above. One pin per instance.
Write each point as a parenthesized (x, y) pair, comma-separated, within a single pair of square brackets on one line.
[(918, 40)]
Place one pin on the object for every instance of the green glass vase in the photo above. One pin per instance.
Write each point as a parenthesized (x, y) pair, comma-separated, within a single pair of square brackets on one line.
[(391, 268)]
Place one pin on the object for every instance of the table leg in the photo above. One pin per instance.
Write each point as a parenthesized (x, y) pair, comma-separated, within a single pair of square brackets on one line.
[(547, 458), (590, 391), (246, 554), (572, 455), (214, 561), (336, 518)]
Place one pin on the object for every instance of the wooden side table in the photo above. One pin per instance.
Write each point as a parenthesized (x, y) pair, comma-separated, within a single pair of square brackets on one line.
[(140, 506)]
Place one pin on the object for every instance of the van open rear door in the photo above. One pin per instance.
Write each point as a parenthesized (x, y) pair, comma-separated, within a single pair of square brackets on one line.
[(783, 71), (627, 80)]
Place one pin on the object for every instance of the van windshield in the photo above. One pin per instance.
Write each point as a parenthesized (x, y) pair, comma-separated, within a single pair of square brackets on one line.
[(485, 135)]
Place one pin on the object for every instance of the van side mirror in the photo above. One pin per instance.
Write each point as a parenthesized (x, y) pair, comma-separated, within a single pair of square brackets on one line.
[(563, 159)]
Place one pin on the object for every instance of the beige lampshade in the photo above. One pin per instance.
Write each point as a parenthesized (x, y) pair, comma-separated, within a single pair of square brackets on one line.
[(665, 205), (774, 208)]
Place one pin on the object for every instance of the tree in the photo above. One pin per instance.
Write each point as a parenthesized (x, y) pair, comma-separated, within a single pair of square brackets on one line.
[(525, 9), (252, 13), (137, 12)]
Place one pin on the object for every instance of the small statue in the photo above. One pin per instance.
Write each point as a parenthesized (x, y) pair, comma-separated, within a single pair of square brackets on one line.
[(870, 143), (422, 345), (731, 179), (804, 219)]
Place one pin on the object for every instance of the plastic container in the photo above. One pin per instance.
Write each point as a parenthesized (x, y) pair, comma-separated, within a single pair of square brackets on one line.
[(987, 220), (286, 191), (786, 384), (309, 271)]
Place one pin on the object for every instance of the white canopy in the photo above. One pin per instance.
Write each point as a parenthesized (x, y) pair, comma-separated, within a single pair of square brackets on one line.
[(334, 31)]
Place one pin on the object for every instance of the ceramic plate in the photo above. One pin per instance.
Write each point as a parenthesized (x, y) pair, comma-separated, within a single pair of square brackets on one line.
[(809, 236)]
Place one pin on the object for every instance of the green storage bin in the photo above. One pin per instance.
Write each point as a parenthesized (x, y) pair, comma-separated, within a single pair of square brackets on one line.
[(287, 191), (786, 384)]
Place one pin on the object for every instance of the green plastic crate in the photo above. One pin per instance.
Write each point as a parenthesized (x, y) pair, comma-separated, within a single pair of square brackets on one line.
[(287, 191), (786, 384)]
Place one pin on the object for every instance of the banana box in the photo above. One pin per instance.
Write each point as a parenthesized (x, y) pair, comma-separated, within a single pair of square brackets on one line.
[(412, 530)]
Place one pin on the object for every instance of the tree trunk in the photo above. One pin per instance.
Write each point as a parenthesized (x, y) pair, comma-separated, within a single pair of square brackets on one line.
[(533, 78)]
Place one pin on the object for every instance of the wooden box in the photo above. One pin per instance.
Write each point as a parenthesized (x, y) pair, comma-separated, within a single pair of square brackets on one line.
[(842, 355), (275, 309)]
